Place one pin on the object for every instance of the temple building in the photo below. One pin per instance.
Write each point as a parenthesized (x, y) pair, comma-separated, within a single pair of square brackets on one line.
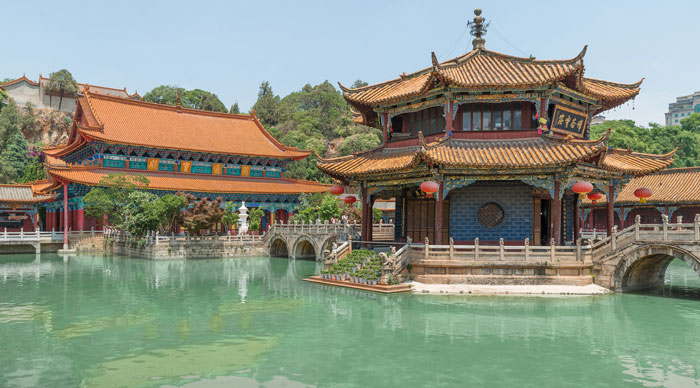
[(19, 208), (500, 139), (675, 192), (23, 90), (207, 154)]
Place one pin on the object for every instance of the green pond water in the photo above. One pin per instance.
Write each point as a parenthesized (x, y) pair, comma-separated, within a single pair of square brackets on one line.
[(97, 321)]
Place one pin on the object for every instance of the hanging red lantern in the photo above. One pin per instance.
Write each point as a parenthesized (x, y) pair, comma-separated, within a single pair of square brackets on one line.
[(642, 193), (429, 187), (337, 190), (349, 199), (581, 188), (595, 197)]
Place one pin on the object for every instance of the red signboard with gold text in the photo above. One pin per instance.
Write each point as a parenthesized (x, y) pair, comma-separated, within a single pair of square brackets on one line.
[(569, 121)]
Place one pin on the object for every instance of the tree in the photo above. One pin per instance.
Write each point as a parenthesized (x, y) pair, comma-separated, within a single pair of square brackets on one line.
[(111, 196), (230, 217), (33, 171), (13, 146), (234, 108), (359, 142), (164, 94), (200, 215), (4, 98), (319, 206), (255, 219), (358, 84), (141, 214), (169, 208), (267, 106), (61, 82)]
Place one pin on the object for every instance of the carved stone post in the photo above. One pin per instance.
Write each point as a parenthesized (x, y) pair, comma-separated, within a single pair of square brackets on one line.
[(501, 249), (552, 249), (476, 249), (613, 238), (578, 250), (696, 227), (452, 248), (426, 250), (664, 220), (637, 221), (527, 249)]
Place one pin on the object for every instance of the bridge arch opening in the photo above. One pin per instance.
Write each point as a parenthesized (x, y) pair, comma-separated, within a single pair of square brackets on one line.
[(305, 250), (278, 248), (646, 267)]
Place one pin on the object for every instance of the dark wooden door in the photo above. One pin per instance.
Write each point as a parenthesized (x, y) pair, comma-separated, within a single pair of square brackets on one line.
[(420, 220)]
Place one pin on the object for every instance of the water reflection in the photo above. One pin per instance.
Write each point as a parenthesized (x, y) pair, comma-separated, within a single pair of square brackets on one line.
[(101, 321)]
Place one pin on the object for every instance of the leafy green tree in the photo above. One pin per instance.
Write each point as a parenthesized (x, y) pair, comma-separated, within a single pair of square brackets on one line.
[(111, 196), (234, 108), (164, 94), (267, 106), (33, 171), (319, 206), (169, 208), (255, 219), (13, 145), (359, 142), (358, 84), (4, 98), (230, 218), (193, 99), (141, 214), (63, 83)]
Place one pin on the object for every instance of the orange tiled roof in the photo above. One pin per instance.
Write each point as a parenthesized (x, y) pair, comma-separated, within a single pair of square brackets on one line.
[(514, 154), (671, 186), (122, 121), (611, 94), (92, 175), (478, 69), (482, 69), (635, 163)]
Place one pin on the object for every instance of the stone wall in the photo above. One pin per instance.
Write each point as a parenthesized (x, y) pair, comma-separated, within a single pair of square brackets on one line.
[(184, 249), (515, 199)]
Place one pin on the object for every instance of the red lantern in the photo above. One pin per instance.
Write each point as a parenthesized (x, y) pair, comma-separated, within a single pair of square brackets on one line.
[(429, 187), (337, 190), (642, 193), (581, 188), (349, 199), (595, 197)]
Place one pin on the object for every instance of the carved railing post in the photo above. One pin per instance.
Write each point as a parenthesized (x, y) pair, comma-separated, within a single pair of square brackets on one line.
[(696, 227), (426, 250), (664, 220), (679, 222), (452, 248), (637, 221), (21, 234), (92, 231), (526, 243), (613, 238), (476, 249), (53, 233), (501, 249), (578, 250), (552, 250), (157, 237)]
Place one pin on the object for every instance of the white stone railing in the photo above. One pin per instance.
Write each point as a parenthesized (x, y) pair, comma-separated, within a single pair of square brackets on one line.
[(394, 263), (39, 235), (158, 238), (338, 252)]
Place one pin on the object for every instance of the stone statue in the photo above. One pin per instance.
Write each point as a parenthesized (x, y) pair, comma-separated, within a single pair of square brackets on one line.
[(242, 219)]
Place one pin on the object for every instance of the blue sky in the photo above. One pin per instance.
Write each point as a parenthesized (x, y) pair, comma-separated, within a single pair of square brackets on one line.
[(230, 47)]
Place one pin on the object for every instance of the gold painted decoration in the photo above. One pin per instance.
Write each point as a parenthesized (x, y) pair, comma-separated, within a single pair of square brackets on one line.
[(153, 164), (569, 121), (216, 168), (245, 170), (186, 166)]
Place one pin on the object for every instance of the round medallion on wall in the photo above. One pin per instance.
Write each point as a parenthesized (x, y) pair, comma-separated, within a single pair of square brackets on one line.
[(490, 215)]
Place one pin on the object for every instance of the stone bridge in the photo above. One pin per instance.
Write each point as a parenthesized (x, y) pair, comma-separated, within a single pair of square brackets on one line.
[(306, 241), (637, 257)]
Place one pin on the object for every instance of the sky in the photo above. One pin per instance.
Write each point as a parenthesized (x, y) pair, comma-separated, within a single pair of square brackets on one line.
[(230, 47)]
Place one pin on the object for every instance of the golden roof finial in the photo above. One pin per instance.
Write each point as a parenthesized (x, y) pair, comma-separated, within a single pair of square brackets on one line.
[(477, 28)]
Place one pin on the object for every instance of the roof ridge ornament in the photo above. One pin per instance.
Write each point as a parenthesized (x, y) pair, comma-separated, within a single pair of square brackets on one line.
[(477, 28)]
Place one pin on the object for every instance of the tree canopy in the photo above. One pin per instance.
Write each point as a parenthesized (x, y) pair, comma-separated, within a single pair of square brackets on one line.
[(62, 83), (656, 139), (193, 99)]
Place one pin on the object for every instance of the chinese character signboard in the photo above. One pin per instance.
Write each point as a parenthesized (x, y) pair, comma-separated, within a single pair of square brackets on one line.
[(568, 121)]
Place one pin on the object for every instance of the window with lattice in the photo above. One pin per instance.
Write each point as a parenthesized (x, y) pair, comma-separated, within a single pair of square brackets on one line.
[(490, 215)]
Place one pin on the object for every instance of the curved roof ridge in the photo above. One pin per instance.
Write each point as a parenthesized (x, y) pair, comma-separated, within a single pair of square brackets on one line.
[(463, 58), (622, 151), (633, 85), (20, 79)]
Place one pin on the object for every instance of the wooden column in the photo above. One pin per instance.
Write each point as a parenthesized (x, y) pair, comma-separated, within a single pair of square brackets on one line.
[(577, 218), (610, 207), (556, 215), (438, 216), (65, 216), (385, 133)]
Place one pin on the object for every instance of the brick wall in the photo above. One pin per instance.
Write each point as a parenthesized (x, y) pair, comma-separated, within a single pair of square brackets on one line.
[(514, 197)]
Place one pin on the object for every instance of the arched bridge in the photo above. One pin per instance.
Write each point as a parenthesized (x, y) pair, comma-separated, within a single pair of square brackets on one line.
[(312, 241), (637, 256)]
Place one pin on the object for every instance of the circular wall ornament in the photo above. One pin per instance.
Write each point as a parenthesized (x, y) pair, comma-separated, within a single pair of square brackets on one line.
[(490, 215)]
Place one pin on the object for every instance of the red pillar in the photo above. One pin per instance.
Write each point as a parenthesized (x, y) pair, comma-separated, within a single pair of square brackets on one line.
[(36, 220), (385, 133), (370, 226), (65, 216), (49, 218), (591, 217), (81, 219), (577, 218), (438, 216), (59, 215), (556, 214), (610, 207)]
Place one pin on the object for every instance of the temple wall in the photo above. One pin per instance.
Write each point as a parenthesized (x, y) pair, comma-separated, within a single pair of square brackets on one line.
[(23, 92), (514, 198)]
